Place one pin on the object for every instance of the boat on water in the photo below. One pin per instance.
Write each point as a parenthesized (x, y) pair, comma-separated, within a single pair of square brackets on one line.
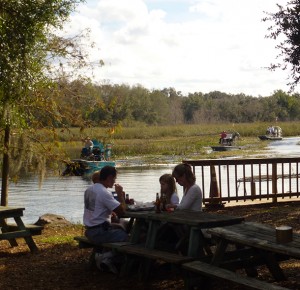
[(227, 142), (90, 160), (225, 148), (273, 133), (266, 137)]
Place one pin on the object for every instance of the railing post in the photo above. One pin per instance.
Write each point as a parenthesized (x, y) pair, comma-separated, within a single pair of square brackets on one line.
[(253, 189), (274, 181), (214, 193)]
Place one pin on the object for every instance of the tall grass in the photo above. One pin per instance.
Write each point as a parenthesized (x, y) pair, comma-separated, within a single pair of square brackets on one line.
[(181, 140)]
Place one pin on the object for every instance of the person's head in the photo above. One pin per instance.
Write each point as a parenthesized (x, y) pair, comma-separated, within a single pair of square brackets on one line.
[(183, 174), (96, 177), (108, 175), (167, 184)]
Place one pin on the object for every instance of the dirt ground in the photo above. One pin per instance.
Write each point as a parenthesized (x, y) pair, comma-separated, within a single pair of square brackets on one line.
[(60, 264)]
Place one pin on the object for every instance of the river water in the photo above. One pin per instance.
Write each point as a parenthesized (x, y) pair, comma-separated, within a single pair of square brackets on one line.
[(64, 195)]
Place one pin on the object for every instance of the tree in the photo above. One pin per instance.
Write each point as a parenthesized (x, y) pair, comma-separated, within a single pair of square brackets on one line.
[(28, 50), (287, 27)]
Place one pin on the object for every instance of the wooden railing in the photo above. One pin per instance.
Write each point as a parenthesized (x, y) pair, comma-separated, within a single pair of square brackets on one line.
[(246, 179)]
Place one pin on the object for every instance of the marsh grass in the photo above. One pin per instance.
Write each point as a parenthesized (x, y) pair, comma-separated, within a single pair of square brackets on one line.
[(186, 141)]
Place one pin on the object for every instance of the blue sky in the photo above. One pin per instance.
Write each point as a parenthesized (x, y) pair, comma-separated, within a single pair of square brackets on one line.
[(190, 45)]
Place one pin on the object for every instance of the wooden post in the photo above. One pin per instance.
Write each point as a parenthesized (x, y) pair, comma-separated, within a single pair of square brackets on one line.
[(214, 193), (274, 181), (214, 187), (253, 189)]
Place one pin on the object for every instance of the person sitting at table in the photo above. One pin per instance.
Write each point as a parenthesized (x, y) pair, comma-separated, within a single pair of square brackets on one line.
[(99, 204), (191, 200), (192, 193), (168, 187), (166, 233)]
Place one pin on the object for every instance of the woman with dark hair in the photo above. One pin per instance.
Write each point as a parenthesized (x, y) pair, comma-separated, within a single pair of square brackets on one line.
[(192, 193)]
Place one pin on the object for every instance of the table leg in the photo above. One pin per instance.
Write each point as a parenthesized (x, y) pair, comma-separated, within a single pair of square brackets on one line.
[(197, 243), (137, 229), (145, 265), (219, 252), (273, 265), (4, 226), (139, 226), (29, 240), (152, 234)]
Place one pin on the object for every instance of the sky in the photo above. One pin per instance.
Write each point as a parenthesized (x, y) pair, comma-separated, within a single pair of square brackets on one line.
[(189, 45)]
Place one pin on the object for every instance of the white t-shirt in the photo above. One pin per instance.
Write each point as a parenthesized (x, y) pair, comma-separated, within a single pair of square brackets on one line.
[(192, 199), (174, 198), (98, 205)]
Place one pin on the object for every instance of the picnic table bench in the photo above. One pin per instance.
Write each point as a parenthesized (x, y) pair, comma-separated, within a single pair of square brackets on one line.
[(215, 272), (131, 249), (11, 232)]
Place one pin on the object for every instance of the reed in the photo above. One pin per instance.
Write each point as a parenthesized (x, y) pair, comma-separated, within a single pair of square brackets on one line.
[(191, 141)]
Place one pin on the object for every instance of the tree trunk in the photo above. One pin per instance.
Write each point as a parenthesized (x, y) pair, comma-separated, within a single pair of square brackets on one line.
[(5, 167)]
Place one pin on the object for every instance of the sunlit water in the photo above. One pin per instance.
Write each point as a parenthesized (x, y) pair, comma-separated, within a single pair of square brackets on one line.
[(64, 195)]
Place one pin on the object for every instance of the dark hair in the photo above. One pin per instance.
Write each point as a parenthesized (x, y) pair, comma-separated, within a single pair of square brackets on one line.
[(107, 171), (184, 169), (169, 179)]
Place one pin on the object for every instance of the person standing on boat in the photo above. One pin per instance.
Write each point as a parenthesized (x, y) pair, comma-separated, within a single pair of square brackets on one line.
[(88, 144), (223, 137), (99, 204)]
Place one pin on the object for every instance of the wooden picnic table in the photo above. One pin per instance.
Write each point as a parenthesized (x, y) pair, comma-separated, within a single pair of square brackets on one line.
[(260, 242), (20, 230), (196, 221), (193, 221)]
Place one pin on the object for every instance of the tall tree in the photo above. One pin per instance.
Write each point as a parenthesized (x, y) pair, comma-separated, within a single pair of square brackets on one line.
[(28, 46), (286, 28)]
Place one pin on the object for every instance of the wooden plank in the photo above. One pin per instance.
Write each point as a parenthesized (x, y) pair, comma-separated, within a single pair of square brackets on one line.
[(34, 229), (258, 236), (14, 235), (143, 252), (138, 250), (84, 242), (226, 275), (196, 218)]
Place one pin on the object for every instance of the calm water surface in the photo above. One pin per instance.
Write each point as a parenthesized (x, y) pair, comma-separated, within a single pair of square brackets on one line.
[(64, 195)]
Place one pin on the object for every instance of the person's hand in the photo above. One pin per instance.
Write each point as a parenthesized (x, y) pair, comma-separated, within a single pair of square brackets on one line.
[(114, 217), (118, 188)]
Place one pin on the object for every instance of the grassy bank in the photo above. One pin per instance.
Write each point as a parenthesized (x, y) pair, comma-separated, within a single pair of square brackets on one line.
[(187, 141)]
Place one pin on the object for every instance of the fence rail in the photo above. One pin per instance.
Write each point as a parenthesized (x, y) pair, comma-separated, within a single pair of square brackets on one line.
[(247, 179)]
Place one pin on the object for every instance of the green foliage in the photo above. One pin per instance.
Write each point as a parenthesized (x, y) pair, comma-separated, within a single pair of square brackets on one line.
[(286, 26)]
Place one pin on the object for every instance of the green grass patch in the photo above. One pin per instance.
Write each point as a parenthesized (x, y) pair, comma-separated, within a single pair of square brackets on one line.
[(58, 240)]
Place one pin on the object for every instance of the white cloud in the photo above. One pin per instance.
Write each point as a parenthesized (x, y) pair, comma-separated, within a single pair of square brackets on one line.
[(209, 45)]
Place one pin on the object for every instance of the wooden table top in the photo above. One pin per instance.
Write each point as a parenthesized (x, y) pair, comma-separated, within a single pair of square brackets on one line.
[(191, 218), (258, 236), (7, 211)]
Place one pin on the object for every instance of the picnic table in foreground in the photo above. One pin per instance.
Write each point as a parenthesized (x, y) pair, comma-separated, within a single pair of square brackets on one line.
[(12, 231)]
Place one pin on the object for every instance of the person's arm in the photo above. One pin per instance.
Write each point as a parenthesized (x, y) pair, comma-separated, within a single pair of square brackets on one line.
[(120, 210)]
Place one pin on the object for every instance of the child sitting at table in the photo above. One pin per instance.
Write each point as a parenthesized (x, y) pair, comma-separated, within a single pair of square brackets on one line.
[(168, 187), (167, 237)]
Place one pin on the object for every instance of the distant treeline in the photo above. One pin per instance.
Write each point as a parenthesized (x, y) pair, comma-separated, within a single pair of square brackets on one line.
[(110, 105)]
